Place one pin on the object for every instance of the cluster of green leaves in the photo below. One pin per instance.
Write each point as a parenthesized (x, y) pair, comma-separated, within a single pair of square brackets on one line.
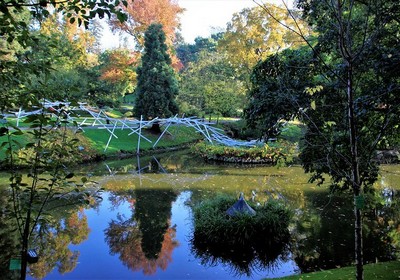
[(82, 12), (189, 53), (374, 85), (278, 91), (268, 153), (311, 84), (209, 86)]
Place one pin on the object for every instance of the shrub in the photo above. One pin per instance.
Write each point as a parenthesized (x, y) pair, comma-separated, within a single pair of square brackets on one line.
[(268, 153)]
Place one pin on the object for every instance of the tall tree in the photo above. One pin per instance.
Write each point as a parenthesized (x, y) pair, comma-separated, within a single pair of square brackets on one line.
[(354, 108), (359, 37), (157, 85), (190, 52)]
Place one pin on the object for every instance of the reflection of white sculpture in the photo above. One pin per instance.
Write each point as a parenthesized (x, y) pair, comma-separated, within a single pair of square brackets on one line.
[(100, 120)]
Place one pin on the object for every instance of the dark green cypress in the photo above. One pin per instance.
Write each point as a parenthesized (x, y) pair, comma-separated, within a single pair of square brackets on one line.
[(157, 84)]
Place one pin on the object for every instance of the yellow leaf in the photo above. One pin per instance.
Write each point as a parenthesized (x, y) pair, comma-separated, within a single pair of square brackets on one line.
[(313, 106)]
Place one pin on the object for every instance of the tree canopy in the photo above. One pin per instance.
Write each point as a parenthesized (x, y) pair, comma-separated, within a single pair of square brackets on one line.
[(278, 91), (252, 35), (209, 86), (143, 13)]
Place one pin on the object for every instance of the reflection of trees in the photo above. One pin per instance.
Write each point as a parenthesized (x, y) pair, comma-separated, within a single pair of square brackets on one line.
[(324, 232), (258, 254), (153, 209), (8, 238), (53, 241), (171, 162), (51, 238), (383, 227), (146, 240)]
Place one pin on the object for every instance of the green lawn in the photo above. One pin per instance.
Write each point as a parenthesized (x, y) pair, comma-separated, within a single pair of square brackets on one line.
[(99, 137), (385, 271)]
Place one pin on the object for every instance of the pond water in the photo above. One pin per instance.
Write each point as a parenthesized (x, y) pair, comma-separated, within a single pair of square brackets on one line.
[(142, 227)]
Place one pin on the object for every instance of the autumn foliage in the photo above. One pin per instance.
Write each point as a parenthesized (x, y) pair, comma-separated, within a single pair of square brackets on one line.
[(127, 242), (143, 13), (120, 66)]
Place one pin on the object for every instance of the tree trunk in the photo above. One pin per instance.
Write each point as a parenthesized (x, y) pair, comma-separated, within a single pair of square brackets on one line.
[(356, 184), (155, 128), (25, 244)]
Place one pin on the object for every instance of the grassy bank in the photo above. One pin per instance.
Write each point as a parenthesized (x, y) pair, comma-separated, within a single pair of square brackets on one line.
[(125, 143), (94, 140), (385, 270), (284, 150)]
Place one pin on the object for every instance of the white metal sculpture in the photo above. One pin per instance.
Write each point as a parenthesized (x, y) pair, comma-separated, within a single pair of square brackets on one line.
[(100, 120)]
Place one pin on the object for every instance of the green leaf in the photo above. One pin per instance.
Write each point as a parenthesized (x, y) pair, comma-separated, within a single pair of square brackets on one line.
[(3, 131), (122, 17), (69, 175), (17, 132), (313, 106)]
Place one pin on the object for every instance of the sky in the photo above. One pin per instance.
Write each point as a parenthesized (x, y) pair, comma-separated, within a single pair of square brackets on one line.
[(201, 18)]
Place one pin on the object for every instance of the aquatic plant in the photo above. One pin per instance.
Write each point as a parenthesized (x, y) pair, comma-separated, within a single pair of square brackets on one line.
[(242, 241)]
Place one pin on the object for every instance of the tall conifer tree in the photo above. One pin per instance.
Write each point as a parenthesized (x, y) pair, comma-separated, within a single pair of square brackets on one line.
[(157, 84)]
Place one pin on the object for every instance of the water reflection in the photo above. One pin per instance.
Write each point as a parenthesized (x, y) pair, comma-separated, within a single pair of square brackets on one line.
[(145, 240), (135, 224), (255, 255), (51, 239), (323, 231)]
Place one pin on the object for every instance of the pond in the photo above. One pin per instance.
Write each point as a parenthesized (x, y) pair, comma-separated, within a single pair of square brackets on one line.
[(142, 226)]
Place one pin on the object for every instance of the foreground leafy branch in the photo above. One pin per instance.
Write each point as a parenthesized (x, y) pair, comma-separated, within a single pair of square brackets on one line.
[(48, 177)]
